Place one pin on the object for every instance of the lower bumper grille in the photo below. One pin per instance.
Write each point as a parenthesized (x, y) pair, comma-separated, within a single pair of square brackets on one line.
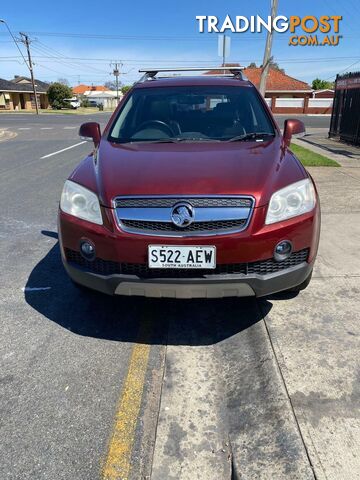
[(262, 267)]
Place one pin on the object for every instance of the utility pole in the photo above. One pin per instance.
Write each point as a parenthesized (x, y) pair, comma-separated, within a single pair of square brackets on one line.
[(267, 53), (223, 52), (26, 41), (116, 73), (224, 48)]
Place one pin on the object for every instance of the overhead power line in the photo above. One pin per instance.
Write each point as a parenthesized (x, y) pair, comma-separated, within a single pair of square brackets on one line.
[(14, 40), (26, 41), (143, 60), (60, 58), (183, 38), (342, 71)]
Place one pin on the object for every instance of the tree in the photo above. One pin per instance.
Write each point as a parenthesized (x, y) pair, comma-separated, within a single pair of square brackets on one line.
[(274, 65), (319, 84), (252, 65), (110, 85), (125, 89), (57, 94), (64, 81)]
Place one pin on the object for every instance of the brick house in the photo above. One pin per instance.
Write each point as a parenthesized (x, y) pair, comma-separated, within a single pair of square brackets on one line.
[(325, 93), (285, 94), (17, 94), (84, 89)]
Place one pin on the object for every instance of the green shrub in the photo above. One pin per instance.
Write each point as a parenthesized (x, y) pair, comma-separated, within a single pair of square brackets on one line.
[(57, 94)]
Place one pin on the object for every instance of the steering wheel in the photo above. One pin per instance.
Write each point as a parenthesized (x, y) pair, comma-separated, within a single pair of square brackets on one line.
[(159, 124)]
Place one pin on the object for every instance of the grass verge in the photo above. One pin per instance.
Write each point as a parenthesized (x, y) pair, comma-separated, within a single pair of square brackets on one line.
[(312, 159)]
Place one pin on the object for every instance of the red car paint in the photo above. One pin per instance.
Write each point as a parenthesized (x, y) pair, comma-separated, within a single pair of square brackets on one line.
[(247, 168)]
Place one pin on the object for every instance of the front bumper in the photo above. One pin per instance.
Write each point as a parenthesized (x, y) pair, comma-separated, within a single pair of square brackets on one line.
[(255, 244), (214, 286)]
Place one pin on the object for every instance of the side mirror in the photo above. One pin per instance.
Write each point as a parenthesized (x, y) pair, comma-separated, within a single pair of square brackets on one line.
[(90, 132), (292, 128)]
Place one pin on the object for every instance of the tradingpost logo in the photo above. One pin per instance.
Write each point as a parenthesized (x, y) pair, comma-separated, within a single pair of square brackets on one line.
[(306, 31)]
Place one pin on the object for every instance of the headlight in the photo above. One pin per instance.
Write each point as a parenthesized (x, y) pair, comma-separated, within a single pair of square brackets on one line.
[(296, 199), (80, 202)]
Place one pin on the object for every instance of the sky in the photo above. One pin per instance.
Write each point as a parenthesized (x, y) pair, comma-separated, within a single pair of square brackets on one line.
[(78, 40)]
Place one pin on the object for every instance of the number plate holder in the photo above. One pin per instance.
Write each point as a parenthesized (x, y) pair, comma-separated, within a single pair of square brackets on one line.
[(182, 256)]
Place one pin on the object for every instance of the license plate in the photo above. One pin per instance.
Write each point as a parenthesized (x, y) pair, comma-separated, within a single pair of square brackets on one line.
[(173, 256)]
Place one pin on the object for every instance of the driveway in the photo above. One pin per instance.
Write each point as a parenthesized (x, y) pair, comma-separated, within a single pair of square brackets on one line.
[(98, 387)]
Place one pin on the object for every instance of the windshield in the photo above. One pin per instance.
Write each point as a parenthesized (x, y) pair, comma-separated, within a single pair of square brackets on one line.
[(198, 113)]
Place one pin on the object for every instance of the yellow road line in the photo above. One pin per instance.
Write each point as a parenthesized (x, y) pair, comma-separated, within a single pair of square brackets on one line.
[(117, 464)]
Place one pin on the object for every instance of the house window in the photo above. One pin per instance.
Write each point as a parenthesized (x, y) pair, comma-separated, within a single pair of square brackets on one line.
[(4, 100)]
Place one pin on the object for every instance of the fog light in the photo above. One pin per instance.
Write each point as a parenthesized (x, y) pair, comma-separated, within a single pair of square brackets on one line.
[(87, 250), (282, 250)]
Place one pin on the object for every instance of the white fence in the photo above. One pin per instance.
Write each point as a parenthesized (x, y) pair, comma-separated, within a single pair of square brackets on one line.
[(321, 102), (289, 102)]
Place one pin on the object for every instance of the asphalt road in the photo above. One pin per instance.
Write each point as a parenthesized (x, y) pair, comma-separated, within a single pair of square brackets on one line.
[(97, 387), (310, 121)]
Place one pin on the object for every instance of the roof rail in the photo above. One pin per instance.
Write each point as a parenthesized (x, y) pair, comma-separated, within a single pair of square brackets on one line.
[(150, 73)]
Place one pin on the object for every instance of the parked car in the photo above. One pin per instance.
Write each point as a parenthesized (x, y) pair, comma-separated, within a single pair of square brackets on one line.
[(73, 102), (191, 191)]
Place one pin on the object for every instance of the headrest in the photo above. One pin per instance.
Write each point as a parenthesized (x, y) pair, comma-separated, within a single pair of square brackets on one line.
[(225, 109)]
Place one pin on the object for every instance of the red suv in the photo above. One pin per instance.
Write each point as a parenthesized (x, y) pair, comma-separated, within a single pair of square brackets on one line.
[(191, 192)]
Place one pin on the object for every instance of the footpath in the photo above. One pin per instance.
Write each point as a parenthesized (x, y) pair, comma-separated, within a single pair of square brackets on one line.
[(316, 140)]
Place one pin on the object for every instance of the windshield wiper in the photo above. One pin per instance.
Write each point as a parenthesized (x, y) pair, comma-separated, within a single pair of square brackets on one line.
[(250, 136)]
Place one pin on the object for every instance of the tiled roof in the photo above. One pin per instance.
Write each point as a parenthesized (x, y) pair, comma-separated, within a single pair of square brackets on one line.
[(11, 86), (276, 81), (20, 79), (81, 89)]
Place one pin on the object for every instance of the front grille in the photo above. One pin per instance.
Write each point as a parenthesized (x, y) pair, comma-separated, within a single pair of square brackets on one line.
[(194, 227), (210, 215), (202, 202), (262, 267)]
